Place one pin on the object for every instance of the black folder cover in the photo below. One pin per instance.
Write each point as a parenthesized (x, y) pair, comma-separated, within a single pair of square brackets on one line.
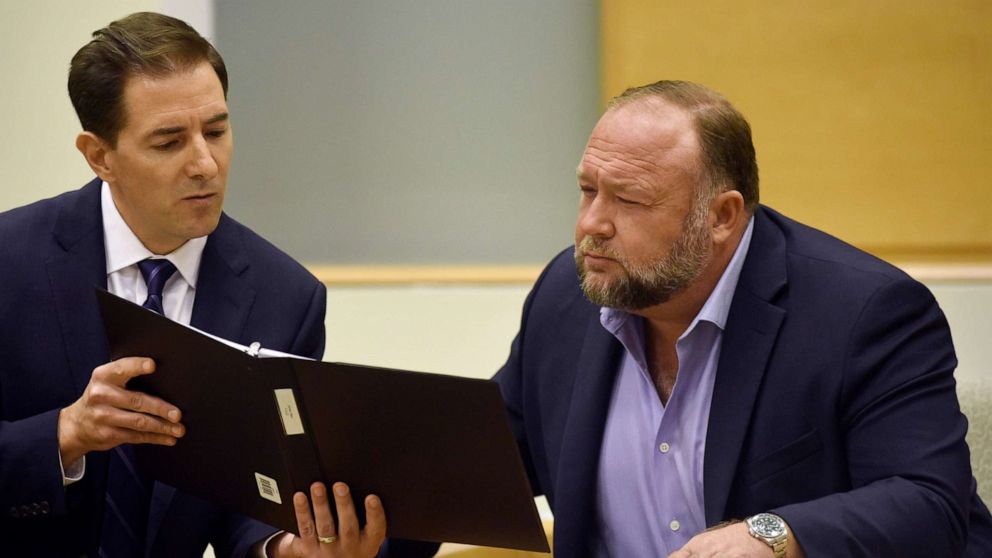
[(437, 449)]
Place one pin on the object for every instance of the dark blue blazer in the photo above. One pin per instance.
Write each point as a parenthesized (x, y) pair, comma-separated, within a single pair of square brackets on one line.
[(51, 338), (834, 403)]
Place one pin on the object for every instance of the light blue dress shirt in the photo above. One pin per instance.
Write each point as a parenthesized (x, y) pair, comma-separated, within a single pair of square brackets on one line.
[(650, 484)]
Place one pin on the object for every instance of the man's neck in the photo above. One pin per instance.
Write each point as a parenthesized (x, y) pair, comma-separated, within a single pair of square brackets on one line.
[(665, 323)]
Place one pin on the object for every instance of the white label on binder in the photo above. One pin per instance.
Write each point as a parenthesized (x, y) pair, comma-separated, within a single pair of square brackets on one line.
[(288, 412), (268, 488)]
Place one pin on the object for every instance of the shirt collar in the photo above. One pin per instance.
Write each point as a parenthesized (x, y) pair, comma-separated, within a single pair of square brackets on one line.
[(717, 305), (124, 249)]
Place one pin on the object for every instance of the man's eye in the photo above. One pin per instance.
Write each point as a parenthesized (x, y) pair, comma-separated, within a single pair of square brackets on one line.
[(217, 133), (166, 146)]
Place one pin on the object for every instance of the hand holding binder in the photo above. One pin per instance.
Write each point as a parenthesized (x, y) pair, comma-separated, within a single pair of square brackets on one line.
[(319, 528), (108, 415)]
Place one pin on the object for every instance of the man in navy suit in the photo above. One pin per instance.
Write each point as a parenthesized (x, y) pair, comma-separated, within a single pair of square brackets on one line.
[(151, 96), (702, 376)]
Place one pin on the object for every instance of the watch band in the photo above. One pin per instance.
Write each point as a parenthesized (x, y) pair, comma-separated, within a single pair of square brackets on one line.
[(779, 544)]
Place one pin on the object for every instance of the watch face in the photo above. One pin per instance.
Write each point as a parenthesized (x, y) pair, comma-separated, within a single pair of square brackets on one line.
[(767, 525)]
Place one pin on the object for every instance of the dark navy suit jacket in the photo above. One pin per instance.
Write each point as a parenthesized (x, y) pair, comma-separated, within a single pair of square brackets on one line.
[(51, 338), (834, 404)]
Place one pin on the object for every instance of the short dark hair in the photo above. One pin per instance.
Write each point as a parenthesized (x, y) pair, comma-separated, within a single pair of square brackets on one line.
[(724, 134), (143, 43)]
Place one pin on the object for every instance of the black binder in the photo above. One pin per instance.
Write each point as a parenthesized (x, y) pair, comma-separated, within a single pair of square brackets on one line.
[(437, 449)]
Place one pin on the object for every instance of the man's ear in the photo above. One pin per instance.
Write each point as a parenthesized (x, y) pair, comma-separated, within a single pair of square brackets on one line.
[(727, 211), (97, 152)]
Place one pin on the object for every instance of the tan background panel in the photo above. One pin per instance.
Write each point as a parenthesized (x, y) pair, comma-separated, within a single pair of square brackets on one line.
[(872, 120)]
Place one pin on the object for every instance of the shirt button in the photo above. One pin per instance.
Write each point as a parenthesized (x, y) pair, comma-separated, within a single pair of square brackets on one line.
[(664, 447), (674, 525)]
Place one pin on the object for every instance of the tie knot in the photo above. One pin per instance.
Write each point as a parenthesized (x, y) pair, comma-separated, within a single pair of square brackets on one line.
[(156, 273)]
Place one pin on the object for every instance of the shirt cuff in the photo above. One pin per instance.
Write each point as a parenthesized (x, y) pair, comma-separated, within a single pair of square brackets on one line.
[(75, 471), (264, 547)]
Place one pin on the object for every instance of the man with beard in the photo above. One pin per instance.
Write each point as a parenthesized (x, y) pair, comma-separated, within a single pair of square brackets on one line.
[(703, 376)]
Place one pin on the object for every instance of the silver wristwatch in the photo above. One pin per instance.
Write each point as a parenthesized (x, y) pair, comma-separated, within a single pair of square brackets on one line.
[(771, 530)]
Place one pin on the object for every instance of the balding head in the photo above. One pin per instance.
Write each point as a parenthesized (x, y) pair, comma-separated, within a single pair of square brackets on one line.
[(724, 135)]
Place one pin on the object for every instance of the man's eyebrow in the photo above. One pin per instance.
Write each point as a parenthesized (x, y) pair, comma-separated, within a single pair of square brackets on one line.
[(168, 131), (219, 117)]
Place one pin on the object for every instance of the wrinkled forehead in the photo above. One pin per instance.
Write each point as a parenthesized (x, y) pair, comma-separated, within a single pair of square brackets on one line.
[(649, 123), (652, 131)]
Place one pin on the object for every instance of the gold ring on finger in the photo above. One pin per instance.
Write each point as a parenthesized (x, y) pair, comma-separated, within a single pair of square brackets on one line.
[(327, 540)]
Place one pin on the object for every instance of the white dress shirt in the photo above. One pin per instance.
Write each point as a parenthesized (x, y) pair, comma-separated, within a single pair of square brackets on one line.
[(124, 251)]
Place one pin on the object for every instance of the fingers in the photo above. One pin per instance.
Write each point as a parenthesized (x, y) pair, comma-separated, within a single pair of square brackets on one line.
[(318, 534), (118, 372), (304, 521), (323, 520), (107, 389), (107, 386), (108, 414), (135, 402), (139, 428), (347, 520), (375, 521)]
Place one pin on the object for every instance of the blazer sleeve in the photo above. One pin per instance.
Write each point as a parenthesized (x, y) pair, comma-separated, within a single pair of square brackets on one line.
[(908, 462), (30, 476), (511, 380), (310, 335)]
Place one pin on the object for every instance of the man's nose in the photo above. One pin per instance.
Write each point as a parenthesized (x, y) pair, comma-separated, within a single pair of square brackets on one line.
[(596, 219), (202, 165)]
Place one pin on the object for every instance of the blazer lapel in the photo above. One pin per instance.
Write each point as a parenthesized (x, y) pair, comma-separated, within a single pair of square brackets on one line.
[(582, 440), (79, 265), (752, 328), (223, 296), (161, 498)]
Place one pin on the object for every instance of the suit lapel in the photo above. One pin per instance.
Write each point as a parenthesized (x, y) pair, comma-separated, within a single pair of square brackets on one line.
[(752, 329), (162, 495), (74, 270), (223, 297), (76, 264), (583, 439)]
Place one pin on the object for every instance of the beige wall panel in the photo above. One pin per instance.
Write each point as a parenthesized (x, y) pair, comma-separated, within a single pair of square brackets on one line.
[(872, 120), (39, 157)]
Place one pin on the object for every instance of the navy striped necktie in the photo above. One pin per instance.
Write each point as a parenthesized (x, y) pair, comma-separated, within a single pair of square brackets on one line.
[(125, 518), (156, 273)]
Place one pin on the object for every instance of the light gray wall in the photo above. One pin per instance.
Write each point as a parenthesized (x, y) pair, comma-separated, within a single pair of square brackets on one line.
[(400, 131)]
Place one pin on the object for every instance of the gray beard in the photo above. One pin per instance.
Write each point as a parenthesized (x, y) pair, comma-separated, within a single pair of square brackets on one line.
[(655, 283)]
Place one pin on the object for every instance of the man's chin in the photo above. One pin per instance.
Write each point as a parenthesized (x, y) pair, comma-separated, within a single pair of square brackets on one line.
[(596, 290), (596, 280), (202, 227)]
